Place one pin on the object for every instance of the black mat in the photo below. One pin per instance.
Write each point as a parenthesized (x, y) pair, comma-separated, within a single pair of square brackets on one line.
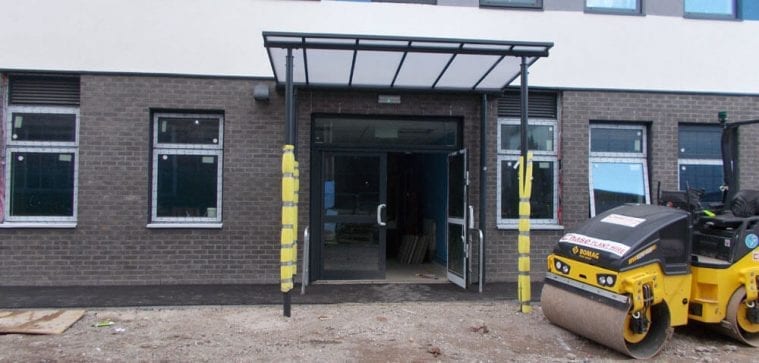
[(183, 295)]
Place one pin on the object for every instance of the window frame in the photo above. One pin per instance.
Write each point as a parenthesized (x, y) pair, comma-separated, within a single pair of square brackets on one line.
[(712, 16), (538, 156), (189, 150), (697, 161), (616, 11), (618, 157), (532, 122), (538, 4), (48, 147)]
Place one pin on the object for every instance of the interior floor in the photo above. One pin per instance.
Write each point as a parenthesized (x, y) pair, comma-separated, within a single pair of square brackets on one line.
[(422, 273)]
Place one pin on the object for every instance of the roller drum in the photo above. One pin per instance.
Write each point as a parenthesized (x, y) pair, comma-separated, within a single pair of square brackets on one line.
[(736, 324), (604, 323)]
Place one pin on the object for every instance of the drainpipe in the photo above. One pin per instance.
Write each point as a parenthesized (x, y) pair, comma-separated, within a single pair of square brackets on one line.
[(483, 185)]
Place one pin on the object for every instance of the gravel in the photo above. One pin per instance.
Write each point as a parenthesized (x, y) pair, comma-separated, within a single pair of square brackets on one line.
[(380, 332)]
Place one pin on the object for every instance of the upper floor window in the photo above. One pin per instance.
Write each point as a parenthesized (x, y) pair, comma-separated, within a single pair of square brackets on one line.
[(41, 151), (699, 161), (618, 166), (187, 168), (711, 9), (534, 4), (614, 6), (431, 2)]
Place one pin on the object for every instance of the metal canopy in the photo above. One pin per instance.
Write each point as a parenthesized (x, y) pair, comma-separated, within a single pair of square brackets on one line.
[(363, 61)]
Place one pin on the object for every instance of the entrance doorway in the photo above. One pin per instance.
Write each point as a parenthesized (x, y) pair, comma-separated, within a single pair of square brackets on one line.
[(381, 212), (416, 249)]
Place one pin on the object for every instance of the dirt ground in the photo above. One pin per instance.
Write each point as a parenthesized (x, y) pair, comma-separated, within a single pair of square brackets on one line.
[(382, 332)]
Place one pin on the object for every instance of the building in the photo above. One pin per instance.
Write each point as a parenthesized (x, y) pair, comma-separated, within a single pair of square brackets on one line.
[(142, 139)]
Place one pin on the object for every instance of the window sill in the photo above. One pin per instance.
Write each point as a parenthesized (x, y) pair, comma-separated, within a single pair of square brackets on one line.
[(185, 225), (698, 16), (536, 5), (609, 11), (37, 225), (533, 227)]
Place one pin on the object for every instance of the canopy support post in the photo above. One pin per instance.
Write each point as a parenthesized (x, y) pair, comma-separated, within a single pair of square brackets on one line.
[(289, 100), (523, 112), (525, 170), (289, 140)]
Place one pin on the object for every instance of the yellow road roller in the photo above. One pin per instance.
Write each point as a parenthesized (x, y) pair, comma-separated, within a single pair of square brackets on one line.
[(628, 276)]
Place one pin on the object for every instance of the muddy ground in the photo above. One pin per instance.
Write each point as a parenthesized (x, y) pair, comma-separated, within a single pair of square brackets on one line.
[(381, 332)]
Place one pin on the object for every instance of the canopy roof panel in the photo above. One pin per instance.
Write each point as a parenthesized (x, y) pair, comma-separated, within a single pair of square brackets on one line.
[(369, 61)]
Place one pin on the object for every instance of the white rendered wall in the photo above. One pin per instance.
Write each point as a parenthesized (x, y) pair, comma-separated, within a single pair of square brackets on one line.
[(223, 37)]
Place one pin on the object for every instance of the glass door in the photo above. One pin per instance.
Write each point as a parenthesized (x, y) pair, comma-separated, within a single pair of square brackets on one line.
[(457, 218), (352, 215)]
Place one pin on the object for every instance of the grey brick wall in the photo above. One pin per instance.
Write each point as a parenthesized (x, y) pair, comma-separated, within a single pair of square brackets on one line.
[(662, 112), (111, 244), (501, 249)]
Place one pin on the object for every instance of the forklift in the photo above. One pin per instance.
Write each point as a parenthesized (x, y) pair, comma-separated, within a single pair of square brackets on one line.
[(628, 276)]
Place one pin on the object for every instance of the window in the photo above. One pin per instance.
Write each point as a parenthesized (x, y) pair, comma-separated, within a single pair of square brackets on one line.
[(699, 160), (614, 6), (536, 4), (187, 168), (618, 166), (41, 164), (542, 141), (383, 132), (710, 9), (431, 2), (38, 184)]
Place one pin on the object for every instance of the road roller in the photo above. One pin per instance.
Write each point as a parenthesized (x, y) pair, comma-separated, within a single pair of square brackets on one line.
[(628, 276)]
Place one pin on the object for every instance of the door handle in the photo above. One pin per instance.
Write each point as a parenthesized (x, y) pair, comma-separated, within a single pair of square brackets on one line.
[(471, 217), (379, 214), (306, 251)]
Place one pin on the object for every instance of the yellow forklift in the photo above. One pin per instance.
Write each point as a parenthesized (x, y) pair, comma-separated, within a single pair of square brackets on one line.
[(628, 276)]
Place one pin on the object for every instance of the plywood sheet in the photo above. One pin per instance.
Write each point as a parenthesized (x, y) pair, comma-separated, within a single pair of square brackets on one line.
[(38, 321)]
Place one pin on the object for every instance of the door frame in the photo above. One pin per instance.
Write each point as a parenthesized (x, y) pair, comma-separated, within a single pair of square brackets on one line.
[(463, 221), (316, 195)]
